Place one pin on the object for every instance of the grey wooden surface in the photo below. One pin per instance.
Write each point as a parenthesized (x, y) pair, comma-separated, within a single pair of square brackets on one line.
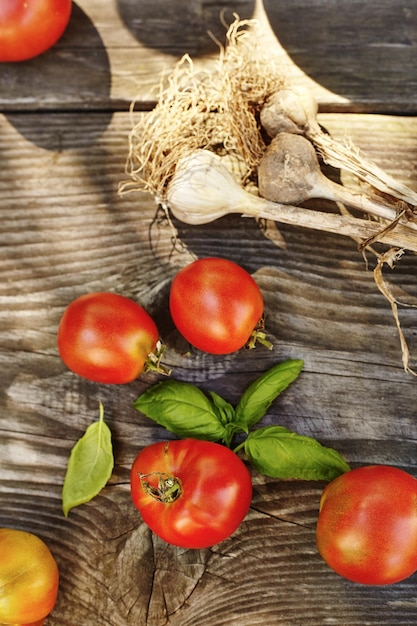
[(65, 230)]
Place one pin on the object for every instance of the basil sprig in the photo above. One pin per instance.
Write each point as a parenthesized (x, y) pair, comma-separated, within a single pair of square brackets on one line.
[(90, 465), (186, 411)]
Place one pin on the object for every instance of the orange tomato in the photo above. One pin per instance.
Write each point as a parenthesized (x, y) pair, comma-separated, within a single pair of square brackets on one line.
[(28, 578)]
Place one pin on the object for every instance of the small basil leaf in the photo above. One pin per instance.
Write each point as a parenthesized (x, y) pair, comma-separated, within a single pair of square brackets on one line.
[(230, 431), (90, 465), (224, 409), (182, 409), (280, 453), (258, 397)]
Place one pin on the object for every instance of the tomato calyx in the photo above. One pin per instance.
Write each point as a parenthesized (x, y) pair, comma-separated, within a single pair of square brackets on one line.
[(258, 335), (168, 488), (153, 361)]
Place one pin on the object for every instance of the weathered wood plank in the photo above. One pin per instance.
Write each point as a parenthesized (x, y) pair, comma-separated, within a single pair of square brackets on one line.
[(65, 231), (361, 51), (114, 52)]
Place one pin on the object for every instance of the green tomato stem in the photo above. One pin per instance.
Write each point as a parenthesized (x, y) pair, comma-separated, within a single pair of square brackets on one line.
[(153, 361), (168, 490), (258, 335)]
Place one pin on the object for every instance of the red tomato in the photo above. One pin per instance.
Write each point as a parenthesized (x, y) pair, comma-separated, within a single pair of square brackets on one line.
[(30, 27), (216, 305), (367, 525), (192, 494), (28, 578), (106, 337)]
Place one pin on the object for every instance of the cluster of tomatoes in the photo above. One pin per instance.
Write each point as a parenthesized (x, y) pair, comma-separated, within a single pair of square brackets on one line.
[(215, 304), (196, 493), (191, 493)]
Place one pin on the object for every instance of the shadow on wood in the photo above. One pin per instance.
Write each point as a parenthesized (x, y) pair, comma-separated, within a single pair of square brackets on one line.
[(182, 27), (80, 75), (348, 47)]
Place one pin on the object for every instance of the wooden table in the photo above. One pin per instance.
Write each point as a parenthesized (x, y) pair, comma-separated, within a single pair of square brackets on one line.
[(65, 231)]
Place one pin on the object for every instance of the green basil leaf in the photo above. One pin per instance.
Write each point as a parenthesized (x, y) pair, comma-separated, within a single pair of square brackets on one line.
[(224, 409), (90, 465), (277, 452), (182, 409), (258, 397)]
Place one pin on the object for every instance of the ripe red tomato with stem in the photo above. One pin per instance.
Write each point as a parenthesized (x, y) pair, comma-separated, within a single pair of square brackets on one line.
[(191, 493), (367, 525), (217, 306), (30, 27), (29, 578), (108, 338)]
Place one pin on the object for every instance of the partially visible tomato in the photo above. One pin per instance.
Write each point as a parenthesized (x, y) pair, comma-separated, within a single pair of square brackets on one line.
[(28, 578), (30, 27), (106, 338), (192, 494), (216, 305), (367, 525)]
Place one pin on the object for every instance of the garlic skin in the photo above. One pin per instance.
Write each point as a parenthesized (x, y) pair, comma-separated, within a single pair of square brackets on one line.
[(289, 110), (203, 189), (194, 188)]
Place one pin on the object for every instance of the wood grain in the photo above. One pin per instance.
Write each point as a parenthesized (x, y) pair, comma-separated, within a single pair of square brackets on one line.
[(114, 52), (66, 231)]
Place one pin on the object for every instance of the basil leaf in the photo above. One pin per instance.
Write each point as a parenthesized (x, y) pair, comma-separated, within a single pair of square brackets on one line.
[(224, 409), (90, 465), (183, 409), (277, 452), (258, 397)]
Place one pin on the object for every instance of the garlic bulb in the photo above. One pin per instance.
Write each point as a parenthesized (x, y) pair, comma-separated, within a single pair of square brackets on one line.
[(295, 110), (290, 172), (203, 189), (289, 110)]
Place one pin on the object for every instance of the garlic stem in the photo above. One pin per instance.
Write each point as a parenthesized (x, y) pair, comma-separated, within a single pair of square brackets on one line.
[(203, 190), (344, 157)]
